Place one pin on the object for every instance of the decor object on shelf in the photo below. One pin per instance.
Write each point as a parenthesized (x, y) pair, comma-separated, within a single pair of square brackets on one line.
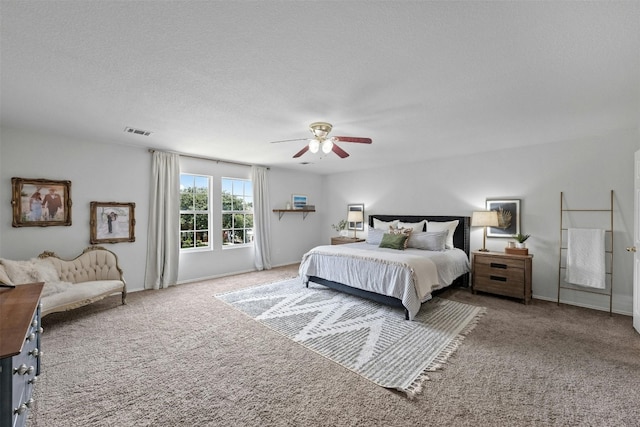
[(322, 141), (298, 201), (40, 202), (508, 217), (340, 227), (484, 219), (353, 218), (390, 352), (112, 222), (521, 239)]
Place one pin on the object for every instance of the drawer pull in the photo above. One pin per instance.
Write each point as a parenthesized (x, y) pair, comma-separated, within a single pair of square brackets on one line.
[(496, 265), (498, 278)]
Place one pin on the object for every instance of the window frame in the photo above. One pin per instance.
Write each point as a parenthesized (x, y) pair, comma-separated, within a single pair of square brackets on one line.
[(234, 212), (208, 212)]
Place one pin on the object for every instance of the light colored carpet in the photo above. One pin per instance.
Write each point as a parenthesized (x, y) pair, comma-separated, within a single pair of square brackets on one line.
[(181, 357), (368, 338)]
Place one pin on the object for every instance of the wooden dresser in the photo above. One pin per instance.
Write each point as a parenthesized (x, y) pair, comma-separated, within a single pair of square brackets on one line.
[(502, 274), (19, 351)]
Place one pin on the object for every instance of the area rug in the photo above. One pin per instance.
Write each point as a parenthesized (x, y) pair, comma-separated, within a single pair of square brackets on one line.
[(372, 340)]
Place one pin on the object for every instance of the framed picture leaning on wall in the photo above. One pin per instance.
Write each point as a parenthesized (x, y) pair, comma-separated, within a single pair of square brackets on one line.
[(112, 222), (508, 217), (40, 202)]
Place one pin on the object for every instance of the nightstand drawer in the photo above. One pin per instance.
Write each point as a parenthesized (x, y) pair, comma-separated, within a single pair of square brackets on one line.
[(510, 275), (500, 285), (499, 263), (502, 274)]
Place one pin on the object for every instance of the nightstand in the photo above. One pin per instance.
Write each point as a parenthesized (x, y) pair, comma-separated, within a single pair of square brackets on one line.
[(502, 274), (342, 240)]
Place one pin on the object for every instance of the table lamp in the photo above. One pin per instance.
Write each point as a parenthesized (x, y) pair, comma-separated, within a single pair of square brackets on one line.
[(355, 217), (484, 219)]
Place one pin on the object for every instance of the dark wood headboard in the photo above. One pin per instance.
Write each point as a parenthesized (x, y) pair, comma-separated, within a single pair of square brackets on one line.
[(461, 238)]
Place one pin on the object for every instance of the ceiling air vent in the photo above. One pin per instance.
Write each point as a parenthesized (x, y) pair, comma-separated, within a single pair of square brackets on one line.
[(137, 131)]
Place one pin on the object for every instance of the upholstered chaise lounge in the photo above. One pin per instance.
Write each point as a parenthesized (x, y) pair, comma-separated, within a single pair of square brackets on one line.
[(69, 284)]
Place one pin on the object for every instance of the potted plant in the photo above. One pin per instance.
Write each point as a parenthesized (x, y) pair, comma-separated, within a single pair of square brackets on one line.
[(521, 239), (340, 227)]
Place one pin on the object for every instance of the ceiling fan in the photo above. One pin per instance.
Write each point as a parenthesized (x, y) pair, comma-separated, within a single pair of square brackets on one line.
[(322, 141)]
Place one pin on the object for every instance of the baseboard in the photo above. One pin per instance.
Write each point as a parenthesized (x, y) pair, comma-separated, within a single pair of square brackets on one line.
[(217, 276), (592, 307)]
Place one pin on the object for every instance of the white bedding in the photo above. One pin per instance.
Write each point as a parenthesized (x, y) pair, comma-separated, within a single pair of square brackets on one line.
[(410, 275)]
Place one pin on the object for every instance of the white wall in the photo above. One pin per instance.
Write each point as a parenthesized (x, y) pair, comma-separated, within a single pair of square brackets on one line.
[(291, 236), (98, 172), (115, 173), (585, 170)]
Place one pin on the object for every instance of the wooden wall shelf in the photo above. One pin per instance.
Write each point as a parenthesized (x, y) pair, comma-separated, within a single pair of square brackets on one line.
[(304, 212)]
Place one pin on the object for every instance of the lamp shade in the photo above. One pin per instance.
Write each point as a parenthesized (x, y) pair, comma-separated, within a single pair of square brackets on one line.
[(485, 219), (355, 216)]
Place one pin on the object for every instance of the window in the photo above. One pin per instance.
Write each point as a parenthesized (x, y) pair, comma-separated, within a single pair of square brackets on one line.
[(194, 211), (237, 211)]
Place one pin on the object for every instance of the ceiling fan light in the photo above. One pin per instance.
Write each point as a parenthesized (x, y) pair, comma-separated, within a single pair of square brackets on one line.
[(314, 145), (327, 146)]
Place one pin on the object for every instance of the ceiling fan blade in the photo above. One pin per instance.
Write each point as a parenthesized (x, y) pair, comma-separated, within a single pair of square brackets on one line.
[(290, 140), (339, 151), (301, 152), (353, 139)]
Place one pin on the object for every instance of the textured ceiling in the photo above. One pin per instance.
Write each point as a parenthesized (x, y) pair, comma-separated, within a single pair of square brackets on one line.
[(222, 79)]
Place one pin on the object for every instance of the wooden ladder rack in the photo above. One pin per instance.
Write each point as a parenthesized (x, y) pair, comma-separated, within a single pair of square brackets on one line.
[(609, 252)]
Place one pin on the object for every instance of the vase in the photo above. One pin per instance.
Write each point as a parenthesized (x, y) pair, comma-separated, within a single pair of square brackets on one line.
[(521, 245)]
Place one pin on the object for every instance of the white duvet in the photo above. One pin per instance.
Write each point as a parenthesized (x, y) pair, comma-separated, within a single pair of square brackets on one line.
[(410, 275)]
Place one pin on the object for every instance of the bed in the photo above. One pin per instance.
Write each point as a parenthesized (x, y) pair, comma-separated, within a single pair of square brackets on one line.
[(400, 278)]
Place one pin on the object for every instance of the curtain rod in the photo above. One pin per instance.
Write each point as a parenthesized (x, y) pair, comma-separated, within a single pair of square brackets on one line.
[(193, 156)]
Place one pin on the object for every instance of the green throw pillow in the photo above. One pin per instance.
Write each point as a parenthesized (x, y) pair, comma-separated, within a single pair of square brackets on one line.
[(393, 241)]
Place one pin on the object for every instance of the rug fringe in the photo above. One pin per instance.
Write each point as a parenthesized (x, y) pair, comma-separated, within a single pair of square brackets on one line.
[(441, 359)]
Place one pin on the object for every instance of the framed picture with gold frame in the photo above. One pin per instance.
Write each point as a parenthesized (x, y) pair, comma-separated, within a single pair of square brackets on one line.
[(112, 222), (40, 202)]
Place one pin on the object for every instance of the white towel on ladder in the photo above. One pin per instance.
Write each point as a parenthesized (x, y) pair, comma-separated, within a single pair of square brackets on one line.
[(586, 257)]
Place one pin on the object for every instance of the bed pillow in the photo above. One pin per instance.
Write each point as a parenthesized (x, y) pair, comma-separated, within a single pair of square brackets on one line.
[(402, 231), (449, 226), (384, 225), (393, 241), (429, 241), (416, 226), (374, 236)]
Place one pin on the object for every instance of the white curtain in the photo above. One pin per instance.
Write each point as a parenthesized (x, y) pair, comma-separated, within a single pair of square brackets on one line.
[(163, 244), (261, 218)]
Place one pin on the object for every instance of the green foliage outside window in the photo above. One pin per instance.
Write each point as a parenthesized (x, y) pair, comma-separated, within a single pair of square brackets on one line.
[(237, 211), (194, 211)]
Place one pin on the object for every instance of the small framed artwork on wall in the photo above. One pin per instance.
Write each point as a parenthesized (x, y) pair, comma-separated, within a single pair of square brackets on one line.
[(40, 202), (298, 201), (508, 217), (112, 222)]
